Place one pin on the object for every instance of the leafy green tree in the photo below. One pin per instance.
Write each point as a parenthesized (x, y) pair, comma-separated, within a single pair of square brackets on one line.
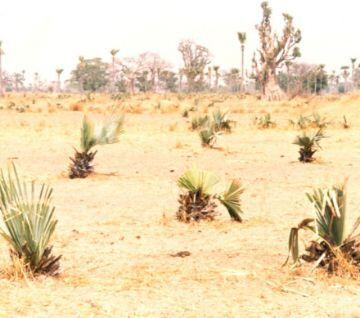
[(233, 80), (169, 80), (144, 83), (304, 78), (90, 74)]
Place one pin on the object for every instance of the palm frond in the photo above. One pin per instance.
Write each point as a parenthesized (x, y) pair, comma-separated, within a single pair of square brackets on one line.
[(197, 181), (106, 133), (199, 122), (231, 200), (28, 221), (293, 244), (330, 209), (208, 137), (88, 139), (110, 131), (221, 122)]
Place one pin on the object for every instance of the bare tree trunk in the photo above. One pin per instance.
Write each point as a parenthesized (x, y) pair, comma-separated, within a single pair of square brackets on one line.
[(271, 89), (216, 81), (288, 82), (180, 82), (242, 67), (58, 84), (132, 86), (209, 78), (113, 75)]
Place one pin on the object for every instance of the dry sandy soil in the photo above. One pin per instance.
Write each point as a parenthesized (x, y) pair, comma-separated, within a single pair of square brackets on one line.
[(117, 229)]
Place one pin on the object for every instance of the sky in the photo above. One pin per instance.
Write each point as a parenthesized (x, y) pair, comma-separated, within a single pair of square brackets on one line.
[(43, 35)]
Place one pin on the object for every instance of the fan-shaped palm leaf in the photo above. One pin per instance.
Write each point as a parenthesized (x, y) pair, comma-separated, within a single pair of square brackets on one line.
[(231, 200), (197, 181), (28, 221)]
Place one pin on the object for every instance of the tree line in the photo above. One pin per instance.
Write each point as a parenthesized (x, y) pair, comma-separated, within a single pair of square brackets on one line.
[(274, 71)]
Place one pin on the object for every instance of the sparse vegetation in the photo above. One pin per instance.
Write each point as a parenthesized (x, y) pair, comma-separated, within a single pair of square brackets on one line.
[(308, 143), (265, 122), (221, 121), (318, 121), (198, 201)]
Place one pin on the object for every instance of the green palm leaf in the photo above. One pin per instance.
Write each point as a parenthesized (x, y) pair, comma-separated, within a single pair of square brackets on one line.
[(330, 209), (231, 200), (106, 133), (197, 181), (28, 221)]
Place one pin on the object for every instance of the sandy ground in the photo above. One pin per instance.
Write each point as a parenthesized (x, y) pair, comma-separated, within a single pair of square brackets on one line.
[(117, 228)]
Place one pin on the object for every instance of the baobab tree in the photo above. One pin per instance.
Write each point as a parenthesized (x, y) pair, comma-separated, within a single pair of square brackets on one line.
[(242, 40), (1, 73), (216, 70), (274, 52), (131, 68), (113, 53), (155, 65), (353, 67), (195, 57), (288, 64), (59, 72)]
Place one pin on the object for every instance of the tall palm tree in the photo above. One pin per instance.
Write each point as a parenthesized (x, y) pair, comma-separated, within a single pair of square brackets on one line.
[(242, 39), (113, 53), (353, 61), (36, 82), (59, 72), (216, 69), (345, 74), (1, 75), (353, 66)]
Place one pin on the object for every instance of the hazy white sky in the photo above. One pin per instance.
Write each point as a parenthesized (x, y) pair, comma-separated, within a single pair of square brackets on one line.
[(42, 35)]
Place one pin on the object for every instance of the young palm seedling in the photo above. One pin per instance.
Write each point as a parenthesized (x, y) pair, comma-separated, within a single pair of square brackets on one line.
[(334, 248), (198, 201), (265, 122), (308, 145), (302, 122), (319, 122), (221, 121), (199, 122), (81, 164), (208, 137), (345, 123), (28, 222)]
